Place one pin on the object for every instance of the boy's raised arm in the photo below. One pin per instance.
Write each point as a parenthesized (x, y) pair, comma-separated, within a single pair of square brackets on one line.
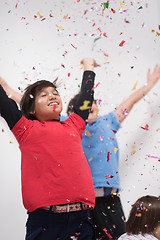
[(85, 100), (9, 109), (16, 96), (124, 108)]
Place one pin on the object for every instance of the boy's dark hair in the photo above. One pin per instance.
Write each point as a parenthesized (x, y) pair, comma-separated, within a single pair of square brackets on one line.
[(144, 216), (72, 102), (27, 103)]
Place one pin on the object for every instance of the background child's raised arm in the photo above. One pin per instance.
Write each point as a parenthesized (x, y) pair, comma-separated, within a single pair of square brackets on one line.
[(16, 96), (124, 108)]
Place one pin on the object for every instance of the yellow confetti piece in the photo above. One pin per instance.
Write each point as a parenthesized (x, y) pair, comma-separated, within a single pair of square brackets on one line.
[(88, 133), (114, 193), (133, 152), (108, 125), (157, 34), (59, 27), (122, 3), (10, 141), (153, 30), (85, 105), (138, 215), (38, 13), (135, 85), (115, 150)]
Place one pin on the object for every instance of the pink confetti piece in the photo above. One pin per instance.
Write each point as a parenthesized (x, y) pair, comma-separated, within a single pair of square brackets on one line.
[(73, 46)]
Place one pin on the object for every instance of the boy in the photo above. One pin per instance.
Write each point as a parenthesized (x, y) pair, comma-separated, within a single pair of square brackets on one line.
[(101, 150), (57, 186)]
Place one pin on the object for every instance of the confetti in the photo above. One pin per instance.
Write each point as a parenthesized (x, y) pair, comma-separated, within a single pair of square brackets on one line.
[(85, 105), (135, 85), (115, 150), (106, 5), (87, 133), (73, 46), (122, 43)]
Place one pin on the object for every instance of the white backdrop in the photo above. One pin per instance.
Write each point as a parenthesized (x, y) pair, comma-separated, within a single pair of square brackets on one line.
[(45, 39)]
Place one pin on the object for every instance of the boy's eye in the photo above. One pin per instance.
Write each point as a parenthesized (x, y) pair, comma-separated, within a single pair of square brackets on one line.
[(43, 95)]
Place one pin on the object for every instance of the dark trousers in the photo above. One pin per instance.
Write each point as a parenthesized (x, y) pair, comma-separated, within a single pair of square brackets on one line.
[(47, 225), (108, 217)]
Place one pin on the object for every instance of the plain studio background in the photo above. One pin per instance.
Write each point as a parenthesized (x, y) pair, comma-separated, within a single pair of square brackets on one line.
[(46, 39)]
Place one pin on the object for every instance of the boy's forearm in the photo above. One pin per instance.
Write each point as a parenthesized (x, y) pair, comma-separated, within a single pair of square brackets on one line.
[(12, 93), (85, 100), (8, 109)]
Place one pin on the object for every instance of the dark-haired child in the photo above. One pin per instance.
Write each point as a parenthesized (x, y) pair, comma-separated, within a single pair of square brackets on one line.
[(102, 152), (144, 220), (57, 186)]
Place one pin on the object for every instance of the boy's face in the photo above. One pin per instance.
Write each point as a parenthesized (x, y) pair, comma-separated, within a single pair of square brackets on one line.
[(48, 104)]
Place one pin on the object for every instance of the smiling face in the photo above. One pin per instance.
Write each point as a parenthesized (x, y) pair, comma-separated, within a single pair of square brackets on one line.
[(48, 104)]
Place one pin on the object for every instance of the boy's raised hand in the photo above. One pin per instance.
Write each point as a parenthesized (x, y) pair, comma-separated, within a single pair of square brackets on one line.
[(153, 77), (89, 64)]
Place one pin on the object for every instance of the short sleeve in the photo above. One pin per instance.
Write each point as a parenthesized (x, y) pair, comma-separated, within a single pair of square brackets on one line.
[(78, 123), (113, 120)]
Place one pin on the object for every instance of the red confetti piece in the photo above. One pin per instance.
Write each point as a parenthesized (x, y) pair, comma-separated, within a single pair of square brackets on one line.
[(23, 18), (35, 16), (33, 68), (114, 131), (69, 74), (105, 230), (62, 65), (108, 183), (43, 19), (16, 5), (78, 0), (108, 156), (108, 176), (159, 27), (50, 15), (93, 24), (73, 46), (113, 10), (122, 43), (104, 35)]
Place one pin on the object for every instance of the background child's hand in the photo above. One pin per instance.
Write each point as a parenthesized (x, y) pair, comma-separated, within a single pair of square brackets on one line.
[(153, 77)]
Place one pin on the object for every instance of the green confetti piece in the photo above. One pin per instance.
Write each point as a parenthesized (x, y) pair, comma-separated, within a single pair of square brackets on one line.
[(104, 214), (106, 5), (140, 7), (9, 11), (95, 40)]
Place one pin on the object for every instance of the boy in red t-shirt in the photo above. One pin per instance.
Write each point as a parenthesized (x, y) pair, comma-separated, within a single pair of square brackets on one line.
[(57, 186)]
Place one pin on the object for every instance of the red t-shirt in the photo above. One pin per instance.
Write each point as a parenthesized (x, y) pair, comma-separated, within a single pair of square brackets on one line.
[(54, 169)]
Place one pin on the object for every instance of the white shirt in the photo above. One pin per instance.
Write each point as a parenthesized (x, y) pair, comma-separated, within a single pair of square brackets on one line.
[(137, 236)]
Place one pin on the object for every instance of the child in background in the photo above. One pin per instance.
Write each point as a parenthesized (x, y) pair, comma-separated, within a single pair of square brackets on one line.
[(144, 220), (101, 150), (57, 186)]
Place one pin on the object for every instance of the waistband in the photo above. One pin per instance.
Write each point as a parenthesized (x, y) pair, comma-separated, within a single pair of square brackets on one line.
[(105, 191), (67, 207)]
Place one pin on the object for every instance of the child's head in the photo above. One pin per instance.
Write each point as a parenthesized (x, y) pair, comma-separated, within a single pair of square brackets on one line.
[(92, 113), (41, 101), (144, 216)]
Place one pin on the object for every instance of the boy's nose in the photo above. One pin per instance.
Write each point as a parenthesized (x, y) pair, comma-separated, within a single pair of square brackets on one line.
[(51, 95)]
